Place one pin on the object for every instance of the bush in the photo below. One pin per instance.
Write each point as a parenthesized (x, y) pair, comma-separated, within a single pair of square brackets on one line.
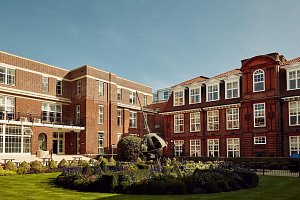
[(142, 166), (212, 187), (63, 163), (24, 168), (177, 187), (10, 166), (222, 185), (52, 164), (7, 173), (129, 148), (37, 166), (83, 163)]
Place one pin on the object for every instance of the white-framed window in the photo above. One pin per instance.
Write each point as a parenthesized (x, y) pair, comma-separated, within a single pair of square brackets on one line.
[(293, 79), (195, 95), (59, 137), (132, 97), (195, 148), (179, 98), (213, 147), (212, 92), (45, 84), (213, 120), (100, 143), (294, 113), (78, 87), (195, 122), (233, 147), (101, 88), (179, 123), (52, 112), (166, 95), (132, 119), (232, 89), (260, 140), (119, 94), (101, 114), (7, 107), (178, 147), (259, 115), (258, 80), (59, 87), (145, 100), (232, 118), (15, 139), (77, 114), (294, 145), (7, 76), (120, 117)]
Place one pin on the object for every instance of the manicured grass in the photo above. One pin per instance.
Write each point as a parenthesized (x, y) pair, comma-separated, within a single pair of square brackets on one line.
[(41, 186)]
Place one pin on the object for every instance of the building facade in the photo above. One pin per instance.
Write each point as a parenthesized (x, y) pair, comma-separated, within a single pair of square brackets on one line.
[(251, 111), (79, 111)]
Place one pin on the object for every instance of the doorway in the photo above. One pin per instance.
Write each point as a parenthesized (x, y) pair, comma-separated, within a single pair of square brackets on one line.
[(58, 143)]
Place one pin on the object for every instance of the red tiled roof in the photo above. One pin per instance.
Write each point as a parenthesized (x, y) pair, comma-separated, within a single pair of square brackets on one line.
[(289, 62), (228, 73), (194, 80)]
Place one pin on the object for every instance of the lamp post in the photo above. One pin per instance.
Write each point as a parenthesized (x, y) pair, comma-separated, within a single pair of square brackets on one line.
[(112, 150)]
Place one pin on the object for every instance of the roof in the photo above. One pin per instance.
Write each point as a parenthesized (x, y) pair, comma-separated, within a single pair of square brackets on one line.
[(292, 61), (228, 73), (193, 80)]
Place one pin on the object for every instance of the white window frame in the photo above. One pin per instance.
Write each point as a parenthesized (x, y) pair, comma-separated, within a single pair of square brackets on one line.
[(166, 95), (257, 114), (255, 73), (195, 122), (119, 94), (195, 148), (193, 96), (296, 77), (260, 140), (179, 123), (101, 114), (295, 113), (178, 99), (178, 147), (214, 151), (100, 142), (101, 88), (212, 85), (78, 87), (227, 88), (213, 119), (295, 145), (59, 87), (7, 110), (120, 117), (8, 74), (232, 117), (45, 84), (54, 109), (132, 119), (145, 100), (235, 147), (132, 97), (77, 114)]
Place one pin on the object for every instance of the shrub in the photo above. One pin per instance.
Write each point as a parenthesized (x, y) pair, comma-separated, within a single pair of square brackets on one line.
[(129, 148), (83, 163), (37, 166), (222, 185), (10, 166), (1, 168), (142, 166), (211, 187), (102, 159), (7, 173), (63, 163), (24, 168), (111, 160), (73, 163), (52, 164), (177, 187)]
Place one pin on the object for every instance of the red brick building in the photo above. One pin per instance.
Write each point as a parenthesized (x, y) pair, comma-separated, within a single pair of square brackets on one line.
[(251, 111), (80, 111)]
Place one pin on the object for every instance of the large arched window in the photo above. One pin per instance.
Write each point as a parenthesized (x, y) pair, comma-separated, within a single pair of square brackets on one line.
[(258, 81)]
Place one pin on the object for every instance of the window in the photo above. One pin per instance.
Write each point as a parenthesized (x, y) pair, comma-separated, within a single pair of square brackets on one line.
[(7, 108), (119, 94), (294, 145), (178, 98), (7, 76), (101, 115), (77, 114), (178, 147), (120, 117), (78, 87), (178, 123), (232, 89), (59, 87), (233, 147), (165, 95), (213, 120), (52, 112), (293, 80), (259, 114), (232, 116), (195, 148), (213, 147), (59, 137), (294, 113), (145, 121), (132, 97), (101, 88), (258, 81), (213, 92), (260, 140), (195, 122), (145, 100), (195, 95), (132, 119), (100, 143), (45, 84)]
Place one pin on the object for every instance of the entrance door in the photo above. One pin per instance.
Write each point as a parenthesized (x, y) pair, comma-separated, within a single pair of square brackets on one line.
[(55, 147), (58, 143)]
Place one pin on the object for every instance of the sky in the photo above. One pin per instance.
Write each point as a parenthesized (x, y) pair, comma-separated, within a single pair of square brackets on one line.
[(158, 43)]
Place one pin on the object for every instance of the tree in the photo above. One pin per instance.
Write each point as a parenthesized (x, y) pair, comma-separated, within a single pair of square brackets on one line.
[(129, 148)]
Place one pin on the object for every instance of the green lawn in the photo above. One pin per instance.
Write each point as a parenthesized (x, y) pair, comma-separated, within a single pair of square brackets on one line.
[(40, 186)]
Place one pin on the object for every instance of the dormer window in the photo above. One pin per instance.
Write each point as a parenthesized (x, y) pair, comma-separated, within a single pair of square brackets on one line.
[(232, 89), (212, 92), (195, 96), (293, 79), (258, 81), (179, 98)]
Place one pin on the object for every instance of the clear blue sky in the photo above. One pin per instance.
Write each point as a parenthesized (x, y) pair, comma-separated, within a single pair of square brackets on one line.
[(154, 42)]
